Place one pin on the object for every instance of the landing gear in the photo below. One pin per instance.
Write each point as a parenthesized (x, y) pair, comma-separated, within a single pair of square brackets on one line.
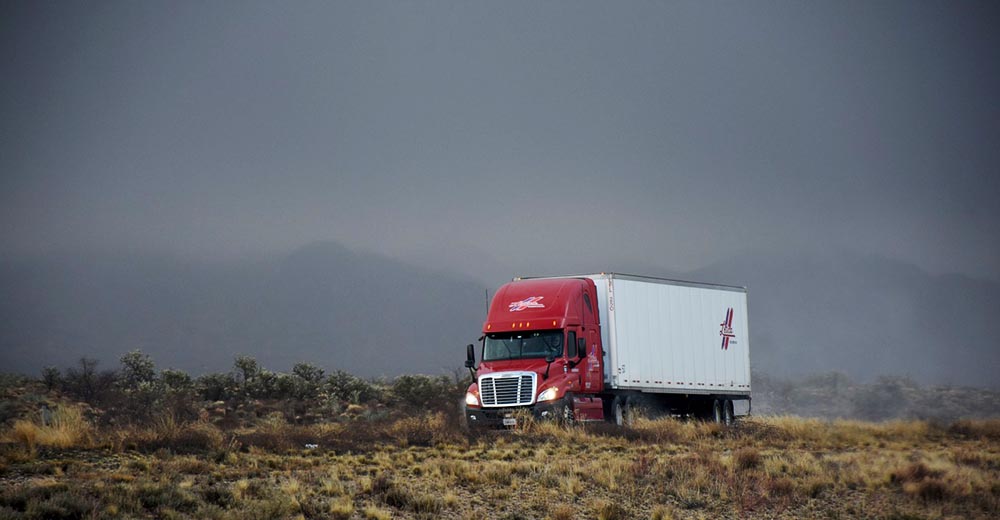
[(621, 411)]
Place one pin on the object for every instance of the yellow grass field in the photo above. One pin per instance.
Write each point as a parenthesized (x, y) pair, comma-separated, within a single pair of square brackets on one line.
[(425, 467)]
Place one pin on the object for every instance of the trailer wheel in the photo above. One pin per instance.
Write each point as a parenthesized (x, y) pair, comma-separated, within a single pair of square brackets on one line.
[(622, 411), (728, 417), (717, 413)]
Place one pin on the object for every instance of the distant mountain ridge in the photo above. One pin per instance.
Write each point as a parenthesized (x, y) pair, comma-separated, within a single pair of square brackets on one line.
[(867, 316), (322, 303), (373, 315)]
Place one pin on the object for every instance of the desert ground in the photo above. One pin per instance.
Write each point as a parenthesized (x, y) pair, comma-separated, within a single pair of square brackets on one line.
[(163, 446)]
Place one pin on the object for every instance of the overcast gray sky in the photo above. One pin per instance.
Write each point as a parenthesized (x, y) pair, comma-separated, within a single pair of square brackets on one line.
[(505, 135)]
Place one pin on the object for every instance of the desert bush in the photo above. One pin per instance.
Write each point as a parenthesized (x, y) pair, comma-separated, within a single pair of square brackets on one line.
[(218, 495), (423, 430), (562, 512), (178, 396), (216, 386), (932, 489), (66, 428), (197, 437), (914, 472), (169, 434), (983, 428), (256, 382), (176, 380), (341, 508), (87, 384), (746, 459), (10, 382), (141, 403), (781, 486), (395, 495), (159, 496), (253, 381), (666, 430), (422, 392), (61, 503), (144, 395), (274, 433), (137, 370), (277, 385), (388, 490), (347, 387), (25, 433), (246, 368), (262, 384), (610, 510), (374, 513), (51, 378), (308, 380)]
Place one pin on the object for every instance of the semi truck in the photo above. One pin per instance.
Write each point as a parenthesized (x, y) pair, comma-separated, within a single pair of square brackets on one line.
[(600, 347)]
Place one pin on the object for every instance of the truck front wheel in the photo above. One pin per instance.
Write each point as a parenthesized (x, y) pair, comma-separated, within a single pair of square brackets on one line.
[(566, 415)]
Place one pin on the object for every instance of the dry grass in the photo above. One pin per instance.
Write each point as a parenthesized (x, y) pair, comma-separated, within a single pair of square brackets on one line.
[(66, 428), (421, 467), (166, 433), (977, 429)]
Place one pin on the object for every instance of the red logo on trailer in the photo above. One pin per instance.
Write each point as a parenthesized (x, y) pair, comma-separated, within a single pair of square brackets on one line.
[(527, 303), (727, 330)]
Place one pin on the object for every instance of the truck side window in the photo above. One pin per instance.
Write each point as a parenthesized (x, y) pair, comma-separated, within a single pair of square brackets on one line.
[(571, 344), (586, 301)]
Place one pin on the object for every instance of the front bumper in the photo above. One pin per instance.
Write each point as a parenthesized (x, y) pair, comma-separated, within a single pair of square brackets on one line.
[(494, 417)]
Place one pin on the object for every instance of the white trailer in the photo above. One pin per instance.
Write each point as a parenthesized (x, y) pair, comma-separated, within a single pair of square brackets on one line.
[(674, 336), (685, 345)]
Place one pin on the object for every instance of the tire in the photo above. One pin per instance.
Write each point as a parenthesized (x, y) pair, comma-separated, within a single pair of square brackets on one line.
[(566, 414), (728, 417), (621, 413), (717, 407)]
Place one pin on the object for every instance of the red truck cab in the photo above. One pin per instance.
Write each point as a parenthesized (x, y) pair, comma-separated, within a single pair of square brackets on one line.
[(541, 351)]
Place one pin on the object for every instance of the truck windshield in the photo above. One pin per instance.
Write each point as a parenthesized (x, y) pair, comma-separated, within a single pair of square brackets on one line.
[(519, 345)]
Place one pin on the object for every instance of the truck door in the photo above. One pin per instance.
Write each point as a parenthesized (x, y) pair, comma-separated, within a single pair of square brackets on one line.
[(575, 373), (593, 377)]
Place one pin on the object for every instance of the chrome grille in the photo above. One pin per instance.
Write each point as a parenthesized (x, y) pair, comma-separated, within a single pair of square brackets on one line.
[(507, 389)]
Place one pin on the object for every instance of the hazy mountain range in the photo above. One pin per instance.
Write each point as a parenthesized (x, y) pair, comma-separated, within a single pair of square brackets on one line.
[(322, 303), (374, 315)]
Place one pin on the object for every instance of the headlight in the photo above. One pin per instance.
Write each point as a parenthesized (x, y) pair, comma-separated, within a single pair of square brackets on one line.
[(471, 399), (548, 394)]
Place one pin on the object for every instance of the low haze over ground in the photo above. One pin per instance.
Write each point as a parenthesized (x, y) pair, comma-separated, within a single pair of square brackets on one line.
[(342, 182)]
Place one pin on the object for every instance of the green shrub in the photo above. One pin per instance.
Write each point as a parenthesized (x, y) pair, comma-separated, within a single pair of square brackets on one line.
[(424, 392), (344, 386), (216, 387)]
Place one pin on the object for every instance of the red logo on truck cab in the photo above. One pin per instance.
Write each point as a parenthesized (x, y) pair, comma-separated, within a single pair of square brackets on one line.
[(527, 303), (727, 330)]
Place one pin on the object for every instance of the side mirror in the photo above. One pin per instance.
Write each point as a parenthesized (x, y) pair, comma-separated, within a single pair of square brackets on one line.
[(470, 356), (581, 348), (549, 358)]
